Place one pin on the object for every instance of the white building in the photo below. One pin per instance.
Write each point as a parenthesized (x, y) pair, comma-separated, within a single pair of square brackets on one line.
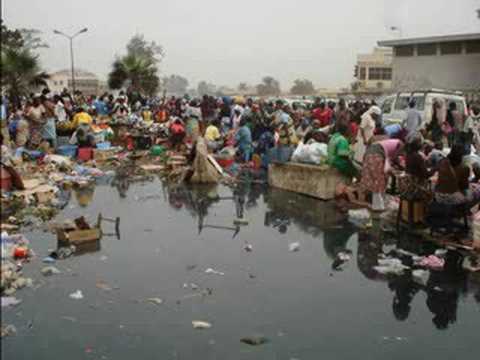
[(374, 71), (447, 62), (87, 82)]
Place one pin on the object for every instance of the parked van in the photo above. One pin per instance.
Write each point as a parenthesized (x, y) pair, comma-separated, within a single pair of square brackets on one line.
[(394, 107)]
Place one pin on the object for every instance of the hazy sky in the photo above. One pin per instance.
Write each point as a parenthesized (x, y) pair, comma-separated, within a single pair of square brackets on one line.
[(227, 42)]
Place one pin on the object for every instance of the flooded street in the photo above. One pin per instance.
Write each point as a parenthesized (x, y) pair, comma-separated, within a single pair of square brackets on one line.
[(141, 292)]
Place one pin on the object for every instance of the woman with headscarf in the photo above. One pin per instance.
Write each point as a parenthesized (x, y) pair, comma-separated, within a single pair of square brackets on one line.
[(366, 132), (243, 140), (342, 115), (414, 185), (453, 176), (36, 116), (376, 167), (438, 119)]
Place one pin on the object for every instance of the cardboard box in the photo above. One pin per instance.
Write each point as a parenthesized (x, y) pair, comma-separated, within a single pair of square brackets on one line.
[(102, 155), (76, 237)]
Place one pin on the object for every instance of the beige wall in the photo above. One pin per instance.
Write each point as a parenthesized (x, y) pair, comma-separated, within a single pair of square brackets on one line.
[(453, 72)]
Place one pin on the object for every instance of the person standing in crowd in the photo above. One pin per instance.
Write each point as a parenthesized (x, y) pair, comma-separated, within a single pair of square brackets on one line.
[(455, 123), (35, 113), (415, 185), (243, 141), (453, 176), (82, 136), (323, 115), (237, 116), (339, 152), (436, 125), (342, 115), (121, 111), (213, 136), (49, 131), (21, 132), (60, 112), (177, 133), (412, 121), (377, 165), (366, 131), (101, 108), (469, 134)]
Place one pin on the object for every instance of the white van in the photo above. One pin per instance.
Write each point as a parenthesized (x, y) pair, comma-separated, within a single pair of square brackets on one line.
[(394, 107)]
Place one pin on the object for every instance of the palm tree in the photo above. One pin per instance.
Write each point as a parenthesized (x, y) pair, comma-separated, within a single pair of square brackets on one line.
[(242, 87), (140, 73), (138, 69), (20, 72)]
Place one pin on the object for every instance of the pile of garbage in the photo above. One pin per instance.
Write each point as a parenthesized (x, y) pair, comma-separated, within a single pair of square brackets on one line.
[(400, 262), (15, 252)]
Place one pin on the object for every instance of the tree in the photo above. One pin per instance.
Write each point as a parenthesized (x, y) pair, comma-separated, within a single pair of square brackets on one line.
[(175, 84), (205, 88), (242, 87), (138, 69), (302, 87), (355, 86), (19, 63), (269, 86)]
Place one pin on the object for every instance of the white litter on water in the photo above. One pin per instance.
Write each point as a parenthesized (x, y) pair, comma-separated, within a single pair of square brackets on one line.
[(214, 272), (77, 295), (155, 301), (10, 301), (201, 324), (294, 247)]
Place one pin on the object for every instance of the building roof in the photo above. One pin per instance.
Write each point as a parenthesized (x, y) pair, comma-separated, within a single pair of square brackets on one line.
[(430, 39), (79, 73)]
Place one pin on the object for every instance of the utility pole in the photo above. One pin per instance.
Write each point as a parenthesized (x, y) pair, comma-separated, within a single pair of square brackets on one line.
[(70, 38)]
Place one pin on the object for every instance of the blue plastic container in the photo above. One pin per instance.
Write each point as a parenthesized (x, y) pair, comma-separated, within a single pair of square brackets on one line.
[(35, 154), (104, 145), (280, 154), (67, 150)]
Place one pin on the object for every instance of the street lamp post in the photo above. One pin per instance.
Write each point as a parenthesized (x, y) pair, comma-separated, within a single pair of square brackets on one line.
[(70, 38), (397, 29)]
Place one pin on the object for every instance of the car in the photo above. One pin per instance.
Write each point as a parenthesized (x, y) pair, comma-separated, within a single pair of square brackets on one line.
[(394, 107)]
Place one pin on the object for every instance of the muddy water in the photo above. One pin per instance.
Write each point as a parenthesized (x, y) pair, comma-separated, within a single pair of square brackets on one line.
[(169, 237)]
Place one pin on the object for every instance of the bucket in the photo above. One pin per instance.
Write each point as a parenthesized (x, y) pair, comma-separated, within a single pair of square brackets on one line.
[(225, 162), (85, 154), (5, 179), (157, 150), (104, 145), (67, 150), (35, 154)]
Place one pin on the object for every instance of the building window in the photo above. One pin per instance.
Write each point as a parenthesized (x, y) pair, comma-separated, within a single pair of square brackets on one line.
[(451, 48), (378, 73), (405, 50), (473, 47), (55, 83), (61, 82), (363, 73), (427, 49)]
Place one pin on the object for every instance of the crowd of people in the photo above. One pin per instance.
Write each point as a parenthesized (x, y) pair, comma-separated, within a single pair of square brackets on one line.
[(360, 146)]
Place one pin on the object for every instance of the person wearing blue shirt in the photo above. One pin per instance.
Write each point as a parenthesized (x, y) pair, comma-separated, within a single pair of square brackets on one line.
[(243, 140), (101, 108)]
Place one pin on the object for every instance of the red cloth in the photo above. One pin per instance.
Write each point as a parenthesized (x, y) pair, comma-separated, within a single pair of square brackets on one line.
[(323, 116), (353, 129), (177, 128)]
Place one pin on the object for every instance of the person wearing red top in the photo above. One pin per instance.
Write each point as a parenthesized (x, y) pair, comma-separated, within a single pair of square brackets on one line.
[(323, 114), (177, 133)]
